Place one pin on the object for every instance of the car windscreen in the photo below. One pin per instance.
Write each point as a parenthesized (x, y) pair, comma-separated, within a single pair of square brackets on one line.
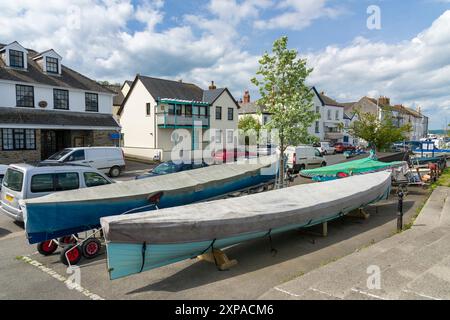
[(59, 155), (164, 168), (13, 180)]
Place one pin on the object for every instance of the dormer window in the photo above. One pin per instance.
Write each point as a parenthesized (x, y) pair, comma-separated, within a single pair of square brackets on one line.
[(52, 65), (16, 59)]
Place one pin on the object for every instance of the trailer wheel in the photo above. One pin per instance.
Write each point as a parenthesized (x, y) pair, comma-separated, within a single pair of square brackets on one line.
[(74, 256), (67, 240), (91, 248), (46, 248)]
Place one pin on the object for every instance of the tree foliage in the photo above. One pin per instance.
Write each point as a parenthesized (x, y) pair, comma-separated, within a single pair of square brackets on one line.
[(284, 94), (249, 123), (380, 133)]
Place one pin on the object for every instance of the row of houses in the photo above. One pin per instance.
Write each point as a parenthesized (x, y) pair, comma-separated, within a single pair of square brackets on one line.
[(46, 106), (336, 117)]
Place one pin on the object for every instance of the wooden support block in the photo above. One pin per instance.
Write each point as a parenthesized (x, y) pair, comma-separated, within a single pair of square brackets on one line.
[(324, 232), (219, 257), (359, 213)]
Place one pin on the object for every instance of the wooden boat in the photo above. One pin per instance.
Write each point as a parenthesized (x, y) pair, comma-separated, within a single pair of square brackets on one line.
[(148, 240), (65, 213)]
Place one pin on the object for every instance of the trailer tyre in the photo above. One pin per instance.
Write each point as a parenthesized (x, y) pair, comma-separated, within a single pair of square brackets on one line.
[(68, 239), (91, 248), (74, 256), (47, 248)]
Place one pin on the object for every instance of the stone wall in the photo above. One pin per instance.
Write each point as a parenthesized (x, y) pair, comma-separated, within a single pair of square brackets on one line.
[(102, 139), (8, 157)]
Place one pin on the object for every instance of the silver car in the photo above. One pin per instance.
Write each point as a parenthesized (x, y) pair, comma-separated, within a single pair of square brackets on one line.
[(24, 181), (2, 173)]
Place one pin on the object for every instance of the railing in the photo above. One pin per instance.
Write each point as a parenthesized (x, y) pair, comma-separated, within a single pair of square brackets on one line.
[(181, 120)]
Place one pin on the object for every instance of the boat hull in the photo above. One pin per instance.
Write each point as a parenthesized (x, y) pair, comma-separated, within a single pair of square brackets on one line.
[(126, 258), (45, 221)]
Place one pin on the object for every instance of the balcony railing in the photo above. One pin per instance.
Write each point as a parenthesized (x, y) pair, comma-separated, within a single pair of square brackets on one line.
[(166, 120)]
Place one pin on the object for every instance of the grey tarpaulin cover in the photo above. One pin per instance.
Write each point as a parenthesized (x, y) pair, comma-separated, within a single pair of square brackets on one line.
[(252, 213), (179, 181)]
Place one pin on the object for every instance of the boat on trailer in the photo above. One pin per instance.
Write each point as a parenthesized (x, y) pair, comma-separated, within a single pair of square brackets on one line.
[(69, 212), (148, 240)]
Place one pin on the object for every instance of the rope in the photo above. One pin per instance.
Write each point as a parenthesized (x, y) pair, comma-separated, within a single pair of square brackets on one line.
[(212, 252), (144, 249)]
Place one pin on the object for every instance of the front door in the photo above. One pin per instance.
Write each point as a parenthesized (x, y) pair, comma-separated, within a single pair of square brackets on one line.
[(53, 141)]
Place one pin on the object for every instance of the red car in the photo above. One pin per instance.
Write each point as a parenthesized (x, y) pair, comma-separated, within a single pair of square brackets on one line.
[(341, 147), (227, 155)]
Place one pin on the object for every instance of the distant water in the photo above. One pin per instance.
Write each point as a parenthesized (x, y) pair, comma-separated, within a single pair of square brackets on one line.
[(436, 132)]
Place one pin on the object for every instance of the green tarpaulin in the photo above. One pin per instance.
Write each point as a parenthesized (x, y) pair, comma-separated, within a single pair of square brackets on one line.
[(352, 167)]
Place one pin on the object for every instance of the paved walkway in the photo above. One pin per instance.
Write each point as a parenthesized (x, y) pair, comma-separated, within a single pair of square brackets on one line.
[(414, 264)]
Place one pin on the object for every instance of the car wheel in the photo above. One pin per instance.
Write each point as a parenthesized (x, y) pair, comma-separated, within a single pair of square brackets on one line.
[(323, 164), (114, 172)]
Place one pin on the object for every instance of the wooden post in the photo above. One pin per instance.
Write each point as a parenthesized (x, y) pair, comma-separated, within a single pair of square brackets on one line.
[(218, 257), (325, 229)]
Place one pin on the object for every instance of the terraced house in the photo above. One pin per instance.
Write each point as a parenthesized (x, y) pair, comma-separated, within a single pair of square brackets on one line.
[(154, 108), (46, 106)]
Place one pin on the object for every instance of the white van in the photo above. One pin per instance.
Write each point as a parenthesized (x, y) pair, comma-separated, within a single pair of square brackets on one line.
[(24, 181), (303, 157), (109, 160)]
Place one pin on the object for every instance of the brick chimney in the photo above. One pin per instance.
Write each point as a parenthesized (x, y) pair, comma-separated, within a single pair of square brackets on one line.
[(384, 101), (246, 98), (212, 86)]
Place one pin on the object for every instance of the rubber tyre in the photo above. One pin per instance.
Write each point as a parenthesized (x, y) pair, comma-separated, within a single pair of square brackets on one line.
[(91, 248), (47, 248), (302, 167), (74, 256), (323, 164), (114, 172), (67, 240)]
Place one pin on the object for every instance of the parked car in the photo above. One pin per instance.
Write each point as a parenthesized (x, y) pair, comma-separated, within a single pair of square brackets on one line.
[(266, 149), (171, 167), (2, 173), (341, 147), (25, 181), (230, 155), (325, 148), (303, 157), (109, 160)]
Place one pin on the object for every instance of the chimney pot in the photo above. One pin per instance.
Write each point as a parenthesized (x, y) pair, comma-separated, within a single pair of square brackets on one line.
[(212, 86), (246, 98)]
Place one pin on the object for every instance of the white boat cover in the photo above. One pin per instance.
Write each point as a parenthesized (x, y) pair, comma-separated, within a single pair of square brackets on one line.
[(253, 213), (180, 181)]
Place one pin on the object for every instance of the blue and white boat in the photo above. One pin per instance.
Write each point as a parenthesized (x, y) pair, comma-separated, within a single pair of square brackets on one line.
[(148, 240), (69, 212)]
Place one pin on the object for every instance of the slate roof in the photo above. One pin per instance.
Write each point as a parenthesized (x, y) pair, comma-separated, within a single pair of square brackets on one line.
[(161, 88), (251, 108), (29, 116), (328, 101), (176, 90), (34, 74), (211, 95)]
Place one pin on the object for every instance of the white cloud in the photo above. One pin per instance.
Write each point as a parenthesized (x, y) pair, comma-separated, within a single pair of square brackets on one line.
[(298, 14), (414, 72)]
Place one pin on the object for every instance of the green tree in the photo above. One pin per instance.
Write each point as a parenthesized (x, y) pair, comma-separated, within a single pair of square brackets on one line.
[(281, 80), (248, 123), (380, 134)]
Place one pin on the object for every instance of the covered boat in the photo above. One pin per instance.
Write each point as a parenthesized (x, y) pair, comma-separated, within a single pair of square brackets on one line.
[(149, 240), (361, 166), (65, 213)]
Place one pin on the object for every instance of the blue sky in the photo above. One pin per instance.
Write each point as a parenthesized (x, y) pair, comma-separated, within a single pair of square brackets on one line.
[(221, 40)]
